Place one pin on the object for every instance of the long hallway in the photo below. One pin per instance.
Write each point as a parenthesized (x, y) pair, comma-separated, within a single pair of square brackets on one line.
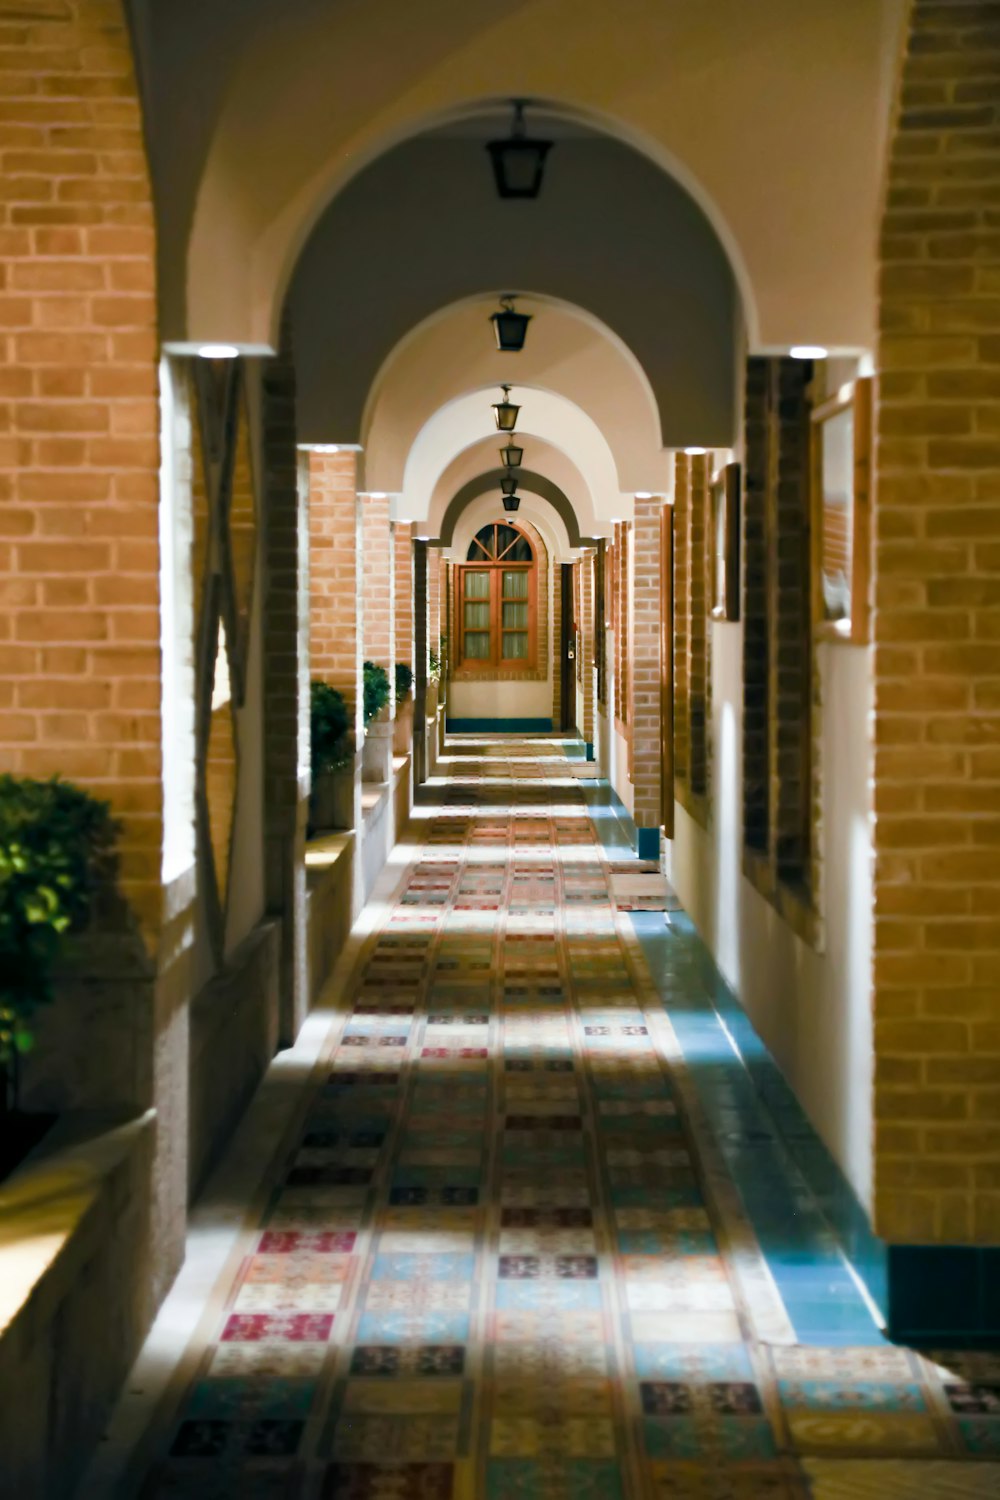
[(534, 1235)]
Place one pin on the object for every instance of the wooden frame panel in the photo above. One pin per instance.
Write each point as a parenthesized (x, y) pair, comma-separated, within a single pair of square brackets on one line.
[(495, 666), (724, 543), (853, 627)]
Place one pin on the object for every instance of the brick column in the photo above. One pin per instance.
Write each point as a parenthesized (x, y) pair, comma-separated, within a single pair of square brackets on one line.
[(936, 639), (404, 591), (645, 653), (557, 645), (682, 591), (699, 674), (285, 687), (588, 652), (756, 648), (79, 456), (420, 652), (336, 578), (378, 582)]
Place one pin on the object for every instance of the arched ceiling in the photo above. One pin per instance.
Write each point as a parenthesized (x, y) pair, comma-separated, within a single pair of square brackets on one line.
[(773, 115), (544, 417), (565, 351), (609, 233)]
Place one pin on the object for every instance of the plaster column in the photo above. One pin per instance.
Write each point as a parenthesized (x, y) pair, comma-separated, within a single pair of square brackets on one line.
[(420, 650)]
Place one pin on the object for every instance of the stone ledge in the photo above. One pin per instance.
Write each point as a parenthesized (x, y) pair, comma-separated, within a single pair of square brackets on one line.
[(324, 852), (374, 796), (48, 1214)]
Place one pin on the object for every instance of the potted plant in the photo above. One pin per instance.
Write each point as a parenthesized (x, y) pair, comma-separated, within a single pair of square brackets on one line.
[(331, 801), (376, 764), (433, 679), (403, 732), (56, 856)]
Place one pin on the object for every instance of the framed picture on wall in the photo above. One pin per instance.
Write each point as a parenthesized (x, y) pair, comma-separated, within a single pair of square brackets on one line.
[(841, 497), (725, 543)]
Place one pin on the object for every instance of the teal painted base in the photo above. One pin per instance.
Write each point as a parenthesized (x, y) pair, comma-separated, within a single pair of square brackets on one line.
[(589, 749), (647, 843), (498, 726), (944, 1294)]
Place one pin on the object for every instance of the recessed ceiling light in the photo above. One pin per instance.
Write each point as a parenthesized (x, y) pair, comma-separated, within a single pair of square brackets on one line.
[(644, 494), (695, 452), (807, 351), (218, 351)]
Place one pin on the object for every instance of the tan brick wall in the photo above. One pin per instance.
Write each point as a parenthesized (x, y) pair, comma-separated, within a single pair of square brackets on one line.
[(699, 668), (336, 576), (79, 452), (936, 631), (682, 591), (557, 614), (754, 611), (588, 566), (379, 577), (646, 757), (403, 543)]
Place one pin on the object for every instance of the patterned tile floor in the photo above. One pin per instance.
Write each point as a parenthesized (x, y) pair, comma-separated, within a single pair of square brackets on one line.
[(532, 1240)]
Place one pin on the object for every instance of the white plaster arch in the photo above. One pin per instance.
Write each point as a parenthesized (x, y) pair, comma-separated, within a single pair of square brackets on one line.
[(544, 415), (707, 92), (567, 351)]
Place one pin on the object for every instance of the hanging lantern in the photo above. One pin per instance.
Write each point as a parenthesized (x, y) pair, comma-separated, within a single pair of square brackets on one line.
[(518, 161), (505, 412), (511, 502), (511, 456), (508, 484), (509, 326)]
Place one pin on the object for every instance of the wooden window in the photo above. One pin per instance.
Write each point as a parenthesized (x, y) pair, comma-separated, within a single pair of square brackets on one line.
[(496, 600)]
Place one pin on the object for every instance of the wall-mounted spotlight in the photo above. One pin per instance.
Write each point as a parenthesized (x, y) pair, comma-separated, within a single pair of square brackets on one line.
[(695, 452), (807, 351), (511, 456), (505, 412), (511, 502), (510, 326), (218, 351), (518, 161)]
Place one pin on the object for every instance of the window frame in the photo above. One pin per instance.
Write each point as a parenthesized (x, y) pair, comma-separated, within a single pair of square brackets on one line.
[(495, 665)]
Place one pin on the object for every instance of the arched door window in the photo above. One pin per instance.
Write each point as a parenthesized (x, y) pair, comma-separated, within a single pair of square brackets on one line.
[(496, 594)]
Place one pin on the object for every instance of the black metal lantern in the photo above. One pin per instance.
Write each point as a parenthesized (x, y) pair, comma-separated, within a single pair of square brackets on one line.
[(509, 326), (508, 484), (505, 412), (511, 502), (518, 161), (511, 456)]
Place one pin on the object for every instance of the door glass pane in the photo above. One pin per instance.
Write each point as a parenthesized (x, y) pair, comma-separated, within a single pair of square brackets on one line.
[(515, 583), (515, 617), (515, 645), (477, 616), (506, 537), (477, 585), (481, 545), (477, 645), (520, 552)]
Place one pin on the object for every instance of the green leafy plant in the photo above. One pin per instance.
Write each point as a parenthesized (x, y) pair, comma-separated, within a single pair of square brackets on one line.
[(329, 729), (404, 680), (56, 854), (433, 666), (376, 680)]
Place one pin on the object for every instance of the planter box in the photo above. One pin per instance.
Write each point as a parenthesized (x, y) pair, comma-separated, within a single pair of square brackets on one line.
[(376, 756), (402, 738), (331, 801)]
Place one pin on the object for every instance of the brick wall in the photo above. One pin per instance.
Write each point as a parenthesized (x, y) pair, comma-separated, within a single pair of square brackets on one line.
[(587, 645), (790, 624), (600, 621), (79, 453), (379, 586), (699, 669), (557, 635), (754, 612), (403, 543), (682, 592), (936, 632), (285, 696), (646, 728), (335, 576)]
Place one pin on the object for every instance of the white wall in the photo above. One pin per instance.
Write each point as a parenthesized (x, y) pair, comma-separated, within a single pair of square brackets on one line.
[(812, 1009), (500, 700)]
